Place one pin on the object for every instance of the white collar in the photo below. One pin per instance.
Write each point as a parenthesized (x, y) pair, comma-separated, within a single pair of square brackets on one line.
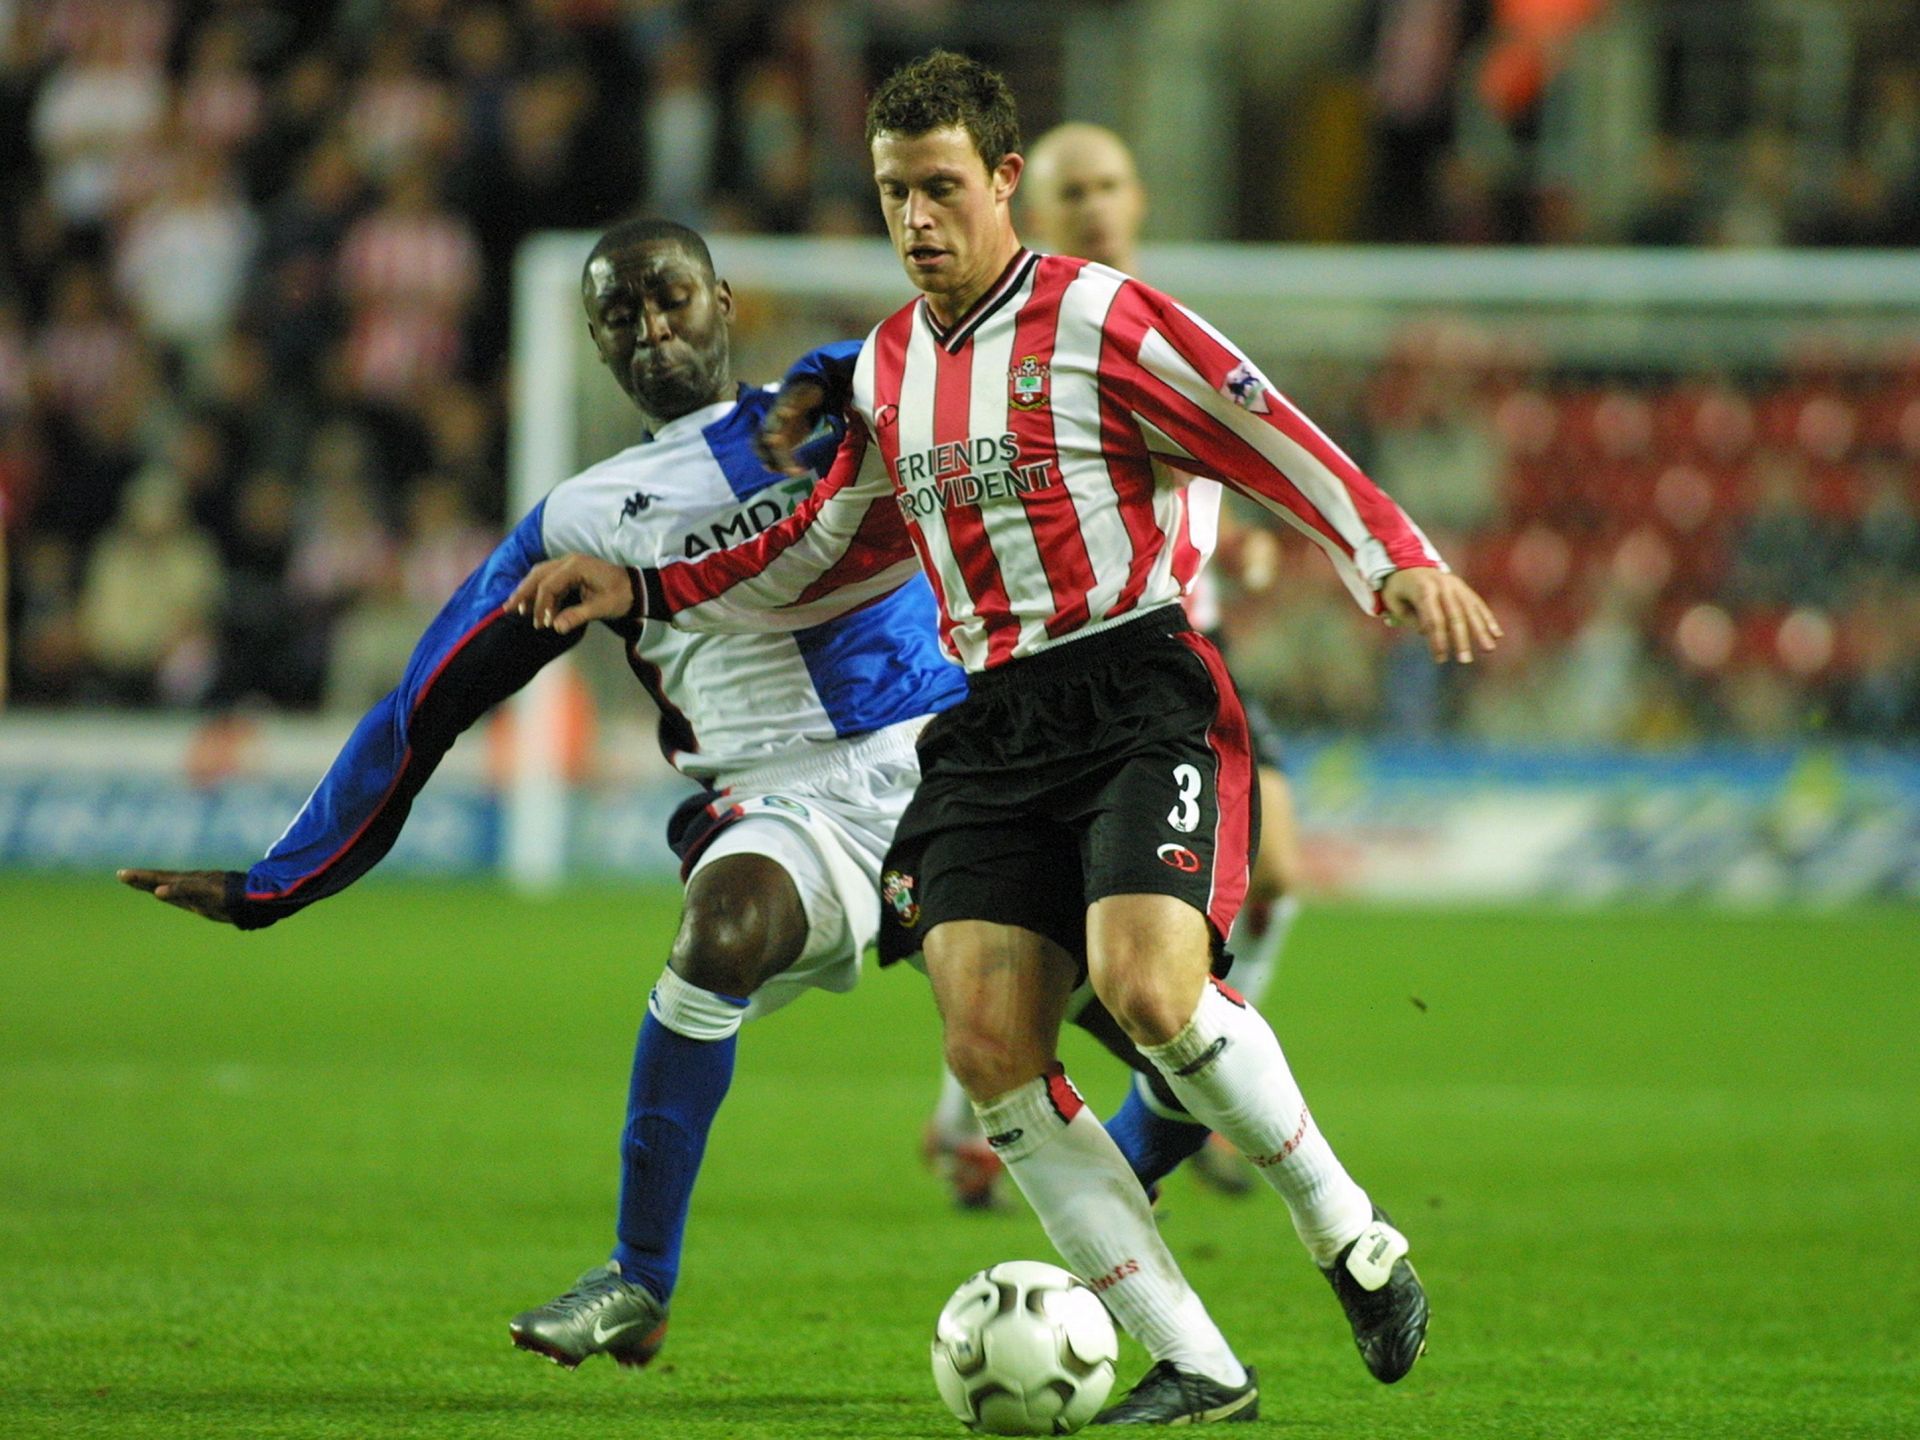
[(695, 420)]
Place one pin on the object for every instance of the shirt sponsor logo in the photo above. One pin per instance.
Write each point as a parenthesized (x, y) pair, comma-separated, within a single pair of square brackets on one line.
[(767, 509), (1027, 383), (966, 472)]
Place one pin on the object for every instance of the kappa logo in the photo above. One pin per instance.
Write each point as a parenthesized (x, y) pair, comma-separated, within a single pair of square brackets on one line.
[(1180, 858), (1247, 388), (1005, 1138), (635, 503), (1027, 383), (897, 890)]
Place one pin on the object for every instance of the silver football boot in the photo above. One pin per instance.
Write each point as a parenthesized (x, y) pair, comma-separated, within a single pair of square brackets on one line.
[(603, 1314)]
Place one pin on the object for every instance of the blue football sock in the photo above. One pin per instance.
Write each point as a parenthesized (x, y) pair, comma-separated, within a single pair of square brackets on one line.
[(1154, 1144), (677, 1088)]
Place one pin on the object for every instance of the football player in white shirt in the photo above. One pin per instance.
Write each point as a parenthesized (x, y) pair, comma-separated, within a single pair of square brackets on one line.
[(800, 789)]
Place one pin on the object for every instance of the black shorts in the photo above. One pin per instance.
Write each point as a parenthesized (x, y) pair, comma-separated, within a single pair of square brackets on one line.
[(1117, 764)]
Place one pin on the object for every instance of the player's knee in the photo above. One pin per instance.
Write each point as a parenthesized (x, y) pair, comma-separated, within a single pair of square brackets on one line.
[(988, 1063), (1151, 1004), (742, 923), (725, 947)]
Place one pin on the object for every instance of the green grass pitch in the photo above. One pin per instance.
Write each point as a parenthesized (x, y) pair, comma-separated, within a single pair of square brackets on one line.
[(1660, 1169)]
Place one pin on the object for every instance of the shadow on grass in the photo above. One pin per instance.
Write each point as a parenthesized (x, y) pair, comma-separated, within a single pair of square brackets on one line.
[(132, 1410)]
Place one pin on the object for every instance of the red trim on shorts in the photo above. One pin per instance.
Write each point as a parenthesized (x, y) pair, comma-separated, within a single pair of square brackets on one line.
[(1232, 747)]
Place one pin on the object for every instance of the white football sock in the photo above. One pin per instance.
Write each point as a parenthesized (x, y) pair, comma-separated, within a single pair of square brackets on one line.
[(1227, 1068), (1096, 1214), (1253, 972), (953, 1117)]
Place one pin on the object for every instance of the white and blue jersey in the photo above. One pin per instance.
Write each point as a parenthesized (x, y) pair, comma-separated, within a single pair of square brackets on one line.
[(694, 488), (728, 703)]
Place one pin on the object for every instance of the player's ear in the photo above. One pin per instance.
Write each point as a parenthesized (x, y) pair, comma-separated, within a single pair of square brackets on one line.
[(723, 298), (1006, 176)]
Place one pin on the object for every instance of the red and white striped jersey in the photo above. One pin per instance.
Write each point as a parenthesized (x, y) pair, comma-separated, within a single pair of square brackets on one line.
[(1038, 458)]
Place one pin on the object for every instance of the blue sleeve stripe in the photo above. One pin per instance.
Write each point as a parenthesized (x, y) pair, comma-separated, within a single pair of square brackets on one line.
[(830, 365), (495, 614), (355, 812)]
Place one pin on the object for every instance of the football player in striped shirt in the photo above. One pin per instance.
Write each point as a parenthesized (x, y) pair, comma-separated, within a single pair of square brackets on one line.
[(799, 790), (1090, 806), (1082, 195)]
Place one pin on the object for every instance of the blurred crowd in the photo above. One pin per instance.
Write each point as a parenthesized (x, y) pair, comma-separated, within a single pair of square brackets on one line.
[(1477, 132), (255, 265), (254, 303), (1673, 556)]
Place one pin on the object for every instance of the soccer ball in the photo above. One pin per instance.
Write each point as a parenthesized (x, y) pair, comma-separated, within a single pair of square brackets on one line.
[(1024, 1348)]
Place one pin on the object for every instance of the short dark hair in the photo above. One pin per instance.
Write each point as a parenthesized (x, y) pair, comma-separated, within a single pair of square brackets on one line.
[(644, 230), (943, 89)]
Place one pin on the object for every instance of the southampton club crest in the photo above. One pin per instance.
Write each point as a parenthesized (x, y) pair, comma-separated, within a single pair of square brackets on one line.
[(897, 890), (1027, 384)]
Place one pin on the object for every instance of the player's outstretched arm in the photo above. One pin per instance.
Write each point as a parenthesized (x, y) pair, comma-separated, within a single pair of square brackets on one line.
[(846, 544), (1445, 609), (471, 657), (204, 892)]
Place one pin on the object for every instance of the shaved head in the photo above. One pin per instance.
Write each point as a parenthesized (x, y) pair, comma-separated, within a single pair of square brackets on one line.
[(1084, 196)]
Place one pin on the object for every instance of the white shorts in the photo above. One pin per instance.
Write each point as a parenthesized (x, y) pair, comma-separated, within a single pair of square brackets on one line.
[(827, 821)]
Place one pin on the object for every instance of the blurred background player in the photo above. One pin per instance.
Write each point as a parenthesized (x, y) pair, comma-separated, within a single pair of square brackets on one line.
[(800, 793), (3, 600), (1083, 197)]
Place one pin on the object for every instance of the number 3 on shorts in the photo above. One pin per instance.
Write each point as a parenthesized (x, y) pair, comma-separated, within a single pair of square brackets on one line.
[(1184, 816)]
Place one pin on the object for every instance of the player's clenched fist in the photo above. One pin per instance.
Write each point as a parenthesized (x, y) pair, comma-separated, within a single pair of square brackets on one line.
[(1447, 610), (789, 421), (564, 594)]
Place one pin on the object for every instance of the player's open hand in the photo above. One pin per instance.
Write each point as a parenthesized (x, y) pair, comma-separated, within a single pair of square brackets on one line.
[(790, 420), (1447, 610), (204, 892), (564, 594)]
